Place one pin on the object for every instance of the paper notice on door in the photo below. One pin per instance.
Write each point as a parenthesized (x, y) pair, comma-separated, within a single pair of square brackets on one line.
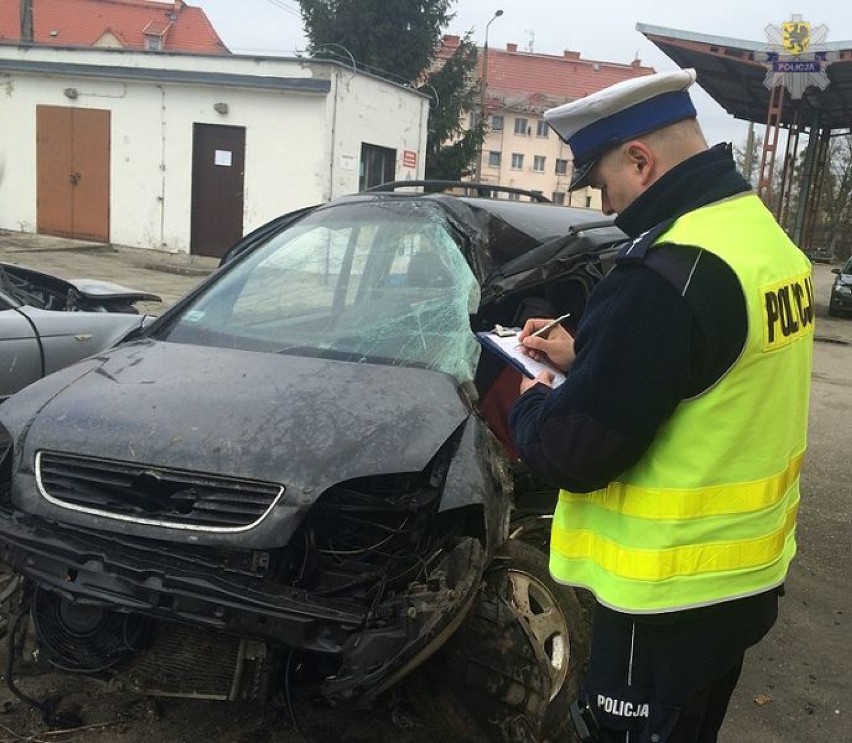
[(223, 158)]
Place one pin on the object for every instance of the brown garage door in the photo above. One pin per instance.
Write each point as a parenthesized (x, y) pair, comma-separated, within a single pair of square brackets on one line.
[(72, 172), (218, 166)]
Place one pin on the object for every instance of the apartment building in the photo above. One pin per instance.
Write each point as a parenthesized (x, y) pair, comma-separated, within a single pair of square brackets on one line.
[(520, 149)]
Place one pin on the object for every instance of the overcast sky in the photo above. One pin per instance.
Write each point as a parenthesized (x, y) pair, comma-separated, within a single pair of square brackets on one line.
[(602, 30)]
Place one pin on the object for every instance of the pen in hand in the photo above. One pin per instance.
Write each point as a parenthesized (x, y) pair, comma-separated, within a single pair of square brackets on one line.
[(543, 331), (558, 352)]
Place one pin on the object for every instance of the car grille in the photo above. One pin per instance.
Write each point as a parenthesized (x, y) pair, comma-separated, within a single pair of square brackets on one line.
[(172, 498)]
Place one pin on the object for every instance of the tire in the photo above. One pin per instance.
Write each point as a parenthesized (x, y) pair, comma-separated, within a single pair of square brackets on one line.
[(513, 668)]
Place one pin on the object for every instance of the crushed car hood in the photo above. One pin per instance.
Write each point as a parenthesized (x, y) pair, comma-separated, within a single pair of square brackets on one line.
[(300, 422), (263, 416)]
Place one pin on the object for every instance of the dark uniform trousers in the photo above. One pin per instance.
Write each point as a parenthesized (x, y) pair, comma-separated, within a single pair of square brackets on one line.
[(668, 678)]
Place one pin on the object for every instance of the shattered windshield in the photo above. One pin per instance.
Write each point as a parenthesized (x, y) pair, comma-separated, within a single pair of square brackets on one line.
[(374, 282)]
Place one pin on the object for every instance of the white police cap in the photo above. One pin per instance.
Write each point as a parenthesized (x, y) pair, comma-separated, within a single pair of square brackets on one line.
[(628, 109)]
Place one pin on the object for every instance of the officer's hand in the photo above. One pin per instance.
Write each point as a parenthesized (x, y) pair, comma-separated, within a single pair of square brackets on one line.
[(557, 346), (544, 377)]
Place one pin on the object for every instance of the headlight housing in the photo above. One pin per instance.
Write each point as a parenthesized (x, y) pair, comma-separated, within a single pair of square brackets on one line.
[(843, 289)]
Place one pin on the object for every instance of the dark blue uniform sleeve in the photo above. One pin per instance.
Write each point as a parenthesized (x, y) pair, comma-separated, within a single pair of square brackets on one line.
[(633, 366)]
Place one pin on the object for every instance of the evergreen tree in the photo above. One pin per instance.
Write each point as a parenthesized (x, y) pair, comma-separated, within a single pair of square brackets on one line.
[(454, 135), (393, 38), (399, 39)]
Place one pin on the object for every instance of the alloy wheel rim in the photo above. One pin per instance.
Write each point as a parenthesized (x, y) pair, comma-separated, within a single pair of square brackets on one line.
[(546, 623)]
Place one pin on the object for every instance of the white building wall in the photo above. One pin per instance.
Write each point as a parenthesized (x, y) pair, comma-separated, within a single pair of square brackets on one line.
[(17, 164), (301, 147), (376, 115)]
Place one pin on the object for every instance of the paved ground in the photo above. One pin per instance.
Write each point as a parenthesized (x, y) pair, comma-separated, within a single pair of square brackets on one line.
[(796, 684), (164, 274)]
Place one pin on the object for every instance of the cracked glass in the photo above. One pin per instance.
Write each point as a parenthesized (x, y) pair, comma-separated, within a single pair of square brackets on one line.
[(381, 282)]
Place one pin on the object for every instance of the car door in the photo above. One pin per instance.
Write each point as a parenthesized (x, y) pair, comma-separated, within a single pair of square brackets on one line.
[(21, 360)]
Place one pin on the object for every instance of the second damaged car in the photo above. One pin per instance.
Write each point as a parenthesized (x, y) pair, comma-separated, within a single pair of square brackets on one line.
[(304, 462), (47, 322)]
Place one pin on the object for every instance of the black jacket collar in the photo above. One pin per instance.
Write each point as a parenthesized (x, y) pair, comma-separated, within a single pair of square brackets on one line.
[(702, 179)]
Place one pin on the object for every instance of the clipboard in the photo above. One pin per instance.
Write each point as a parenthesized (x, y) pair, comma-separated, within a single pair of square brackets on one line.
[(508, 349)]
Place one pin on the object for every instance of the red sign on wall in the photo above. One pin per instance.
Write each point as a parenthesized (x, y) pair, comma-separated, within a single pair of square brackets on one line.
[(409, 159)]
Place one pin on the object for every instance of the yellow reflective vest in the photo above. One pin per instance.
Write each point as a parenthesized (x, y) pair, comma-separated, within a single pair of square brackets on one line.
[(709, 512)]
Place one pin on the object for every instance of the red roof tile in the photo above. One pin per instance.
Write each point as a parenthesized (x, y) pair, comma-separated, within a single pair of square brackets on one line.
[(544, 80), (84, 22)]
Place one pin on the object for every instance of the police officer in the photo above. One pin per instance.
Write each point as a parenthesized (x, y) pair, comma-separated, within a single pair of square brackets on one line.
[(678, 437)]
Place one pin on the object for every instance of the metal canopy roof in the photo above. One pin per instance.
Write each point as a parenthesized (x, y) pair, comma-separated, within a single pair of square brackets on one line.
[(728, 71)]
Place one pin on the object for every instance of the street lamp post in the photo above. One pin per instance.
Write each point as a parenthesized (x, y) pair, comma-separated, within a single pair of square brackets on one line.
[(484, 85)]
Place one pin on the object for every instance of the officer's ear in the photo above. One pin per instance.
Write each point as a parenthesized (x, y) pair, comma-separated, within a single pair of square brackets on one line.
[(641, 162)]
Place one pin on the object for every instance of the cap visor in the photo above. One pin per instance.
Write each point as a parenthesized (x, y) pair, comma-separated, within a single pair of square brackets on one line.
[(580, 176)]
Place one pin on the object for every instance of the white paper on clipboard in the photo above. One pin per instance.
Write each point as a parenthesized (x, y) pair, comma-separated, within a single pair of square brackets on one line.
[(509, 349)]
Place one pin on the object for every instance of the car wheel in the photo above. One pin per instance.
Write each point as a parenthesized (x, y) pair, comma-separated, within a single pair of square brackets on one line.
[(512, 669)]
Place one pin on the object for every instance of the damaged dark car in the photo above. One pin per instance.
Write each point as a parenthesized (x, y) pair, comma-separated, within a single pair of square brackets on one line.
[(305, 462)]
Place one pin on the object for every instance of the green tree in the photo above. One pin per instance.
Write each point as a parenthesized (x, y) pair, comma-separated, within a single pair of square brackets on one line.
[(400, 40), (455, 135), (394, 38)]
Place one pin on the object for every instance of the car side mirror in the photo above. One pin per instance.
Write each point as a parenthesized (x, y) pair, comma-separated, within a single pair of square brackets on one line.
[(836, 270)]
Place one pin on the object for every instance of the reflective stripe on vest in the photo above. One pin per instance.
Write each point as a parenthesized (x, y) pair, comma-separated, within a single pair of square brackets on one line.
[(709, 512)]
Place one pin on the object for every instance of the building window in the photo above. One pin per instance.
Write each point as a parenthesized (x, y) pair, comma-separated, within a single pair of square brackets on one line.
[(561, 167), (521, 126), (558, 198), (378, 165), (538, 163), (494, 159), (153, 43), (517, 160), (542, 129), (475, 118), (496, 123), (514, 196), (588, 200)]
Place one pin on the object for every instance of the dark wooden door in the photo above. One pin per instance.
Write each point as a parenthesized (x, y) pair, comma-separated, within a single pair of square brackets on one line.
[(72, 172), (218, 169)]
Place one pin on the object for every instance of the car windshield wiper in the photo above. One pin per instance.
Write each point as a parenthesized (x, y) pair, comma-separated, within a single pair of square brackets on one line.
[(355, 357)]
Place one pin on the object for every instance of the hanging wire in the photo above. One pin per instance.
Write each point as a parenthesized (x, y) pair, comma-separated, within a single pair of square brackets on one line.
[(338, 46), (281, 5), (289, 698), (47, 707)]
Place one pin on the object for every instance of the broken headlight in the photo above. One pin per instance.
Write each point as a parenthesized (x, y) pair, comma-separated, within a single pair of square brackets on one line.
[(369, 535)]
